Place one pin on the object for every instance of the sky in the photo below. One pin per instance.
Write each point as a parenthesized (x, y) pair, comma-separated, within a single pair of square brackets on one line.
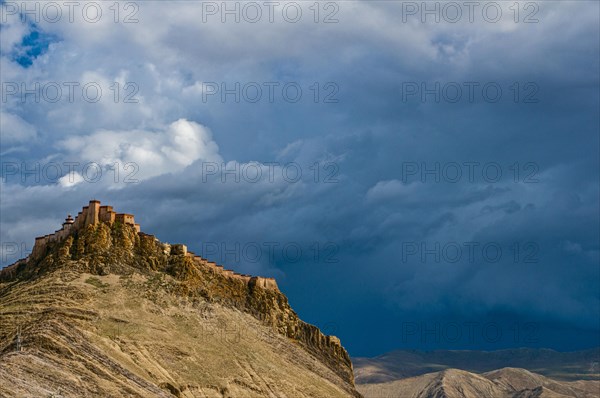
[(414, 175)]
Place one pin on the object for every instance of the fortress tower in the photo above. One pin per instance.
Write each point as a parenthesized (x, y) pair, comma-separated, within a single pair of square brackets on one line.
[(94, 213)]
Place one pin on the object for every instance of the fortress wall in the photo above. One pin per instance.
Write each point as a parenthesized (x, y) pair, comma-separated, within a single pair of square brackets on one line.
[(94, 213), (265, 283), (59, 235), (179, 249), (10, 271), (271, 283), (124, 218), (242, 277), (107, 214), (38, 247), (80, 220)]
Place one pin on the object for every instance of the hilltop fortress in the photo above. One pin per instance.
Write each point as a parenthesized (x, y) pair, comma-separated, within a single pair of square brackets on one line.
[(91, 214), (99, 241), (95, 213)]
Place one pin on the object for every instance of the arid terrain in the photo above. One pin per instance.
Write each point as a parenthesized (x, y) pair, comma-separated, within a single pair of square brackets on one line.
[(109, 312), (467, 374), (566, 366), (503, 383), (100, 309)]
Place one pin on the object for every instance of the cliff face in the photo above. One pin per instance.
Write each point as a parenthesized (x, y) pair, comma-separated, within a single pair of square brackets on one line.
[(113, 249)]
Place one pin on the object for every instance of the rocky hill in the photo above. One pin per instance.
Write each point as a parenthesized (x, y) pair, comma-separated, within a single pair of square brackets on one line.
[(100, 309)]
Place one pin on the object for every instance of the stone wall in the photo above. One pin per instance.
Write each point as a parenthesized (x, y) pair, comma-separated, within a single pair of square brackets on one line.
[(94, 213), (107, 214), (264, 283)]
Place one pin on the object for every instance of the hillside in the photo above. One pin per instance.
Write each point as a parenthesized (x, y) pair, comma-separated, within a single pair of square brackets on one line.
[(503, 383), (102, 310), (567, 366)]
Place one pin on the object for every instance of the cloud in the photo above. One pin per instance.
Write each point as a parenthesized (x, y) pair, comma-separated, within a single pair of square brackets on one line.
[(361, 143), (152, 152), (15, 130), (392, 189), (70, 179)]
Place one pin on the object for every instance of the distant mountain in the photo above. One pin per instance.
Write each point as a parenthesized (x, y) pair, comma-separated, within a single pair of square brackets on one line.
[(567, 366), (503, 383), (100, 309)]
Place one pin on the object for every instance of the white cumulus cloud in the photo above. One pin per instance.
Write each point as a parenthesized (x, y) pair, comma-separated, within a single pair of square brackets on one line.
[(153, 152)]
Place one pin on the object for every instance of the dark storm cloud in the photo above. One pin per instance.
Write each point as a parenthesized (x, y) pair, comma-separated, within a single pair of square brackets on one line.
[(384, 201)]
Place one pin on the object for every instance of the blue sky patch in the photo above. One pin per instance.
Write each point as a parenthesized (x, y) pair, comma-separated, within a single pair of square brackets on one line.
[(32, 46)]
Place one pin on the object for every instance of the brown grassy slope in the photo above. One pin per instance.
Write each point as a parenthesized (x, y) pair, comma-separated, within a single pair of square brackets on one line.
[(110, 313), (118, 336)]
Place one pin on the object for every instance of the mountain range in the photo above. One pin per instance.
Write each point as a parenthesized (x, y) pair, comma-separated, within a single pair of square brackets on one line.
[(511, 373)]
